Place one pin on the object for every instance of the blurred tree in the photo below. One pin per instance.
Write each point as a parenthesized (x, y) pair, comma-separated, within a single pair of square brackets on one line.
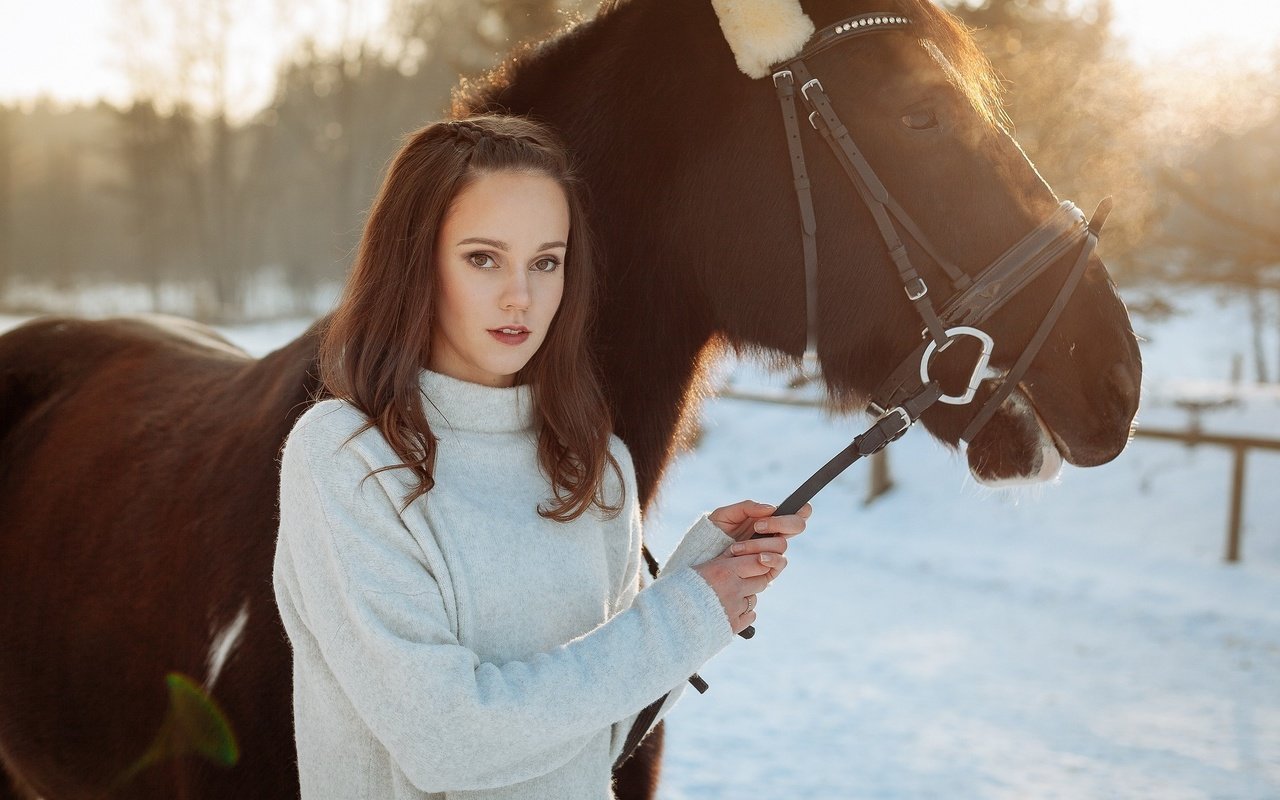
[(172, 189), (195, 73), (338, 115), (148, 146), (1223, 223), (469, 36), (61, 203), (1077, 105)]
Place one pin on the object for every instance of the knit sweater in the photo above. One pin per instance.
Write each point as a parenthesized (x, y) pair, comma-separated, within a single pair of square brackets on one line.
[(467, 647)]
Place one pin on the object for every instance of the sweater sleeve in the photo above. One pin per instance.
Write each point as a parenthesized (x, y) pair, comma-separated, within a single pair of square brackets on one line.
[(702, 542), (361, 585)]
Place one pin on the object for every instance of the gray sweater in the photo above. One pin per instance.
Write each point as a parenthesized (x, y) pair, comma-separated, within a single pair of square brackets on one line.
[(468, 647)]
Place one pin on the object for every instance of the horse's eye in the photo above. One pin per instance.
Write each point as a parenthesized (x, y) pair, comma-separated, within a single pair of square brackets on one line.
[(920, 120)]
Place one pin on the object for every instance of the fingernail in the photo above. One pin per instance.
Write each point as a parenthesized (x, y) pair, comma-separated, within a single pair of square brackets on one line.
[(766, 558), (761, 525), (736, 547), (770, 507)]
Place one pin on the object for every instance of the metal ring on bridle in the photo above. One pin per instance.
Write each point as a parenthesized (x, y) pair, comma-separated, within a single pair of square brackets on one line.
[(979, 367)]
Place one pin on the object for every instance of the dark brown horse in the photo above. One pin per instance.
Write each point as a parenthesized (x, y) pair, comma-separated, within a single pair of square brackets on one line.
[(138, 466)]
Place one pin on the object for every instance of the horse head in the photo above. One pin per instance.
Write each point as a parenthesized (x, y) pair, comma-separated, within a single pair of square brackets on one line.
[(692, 181)]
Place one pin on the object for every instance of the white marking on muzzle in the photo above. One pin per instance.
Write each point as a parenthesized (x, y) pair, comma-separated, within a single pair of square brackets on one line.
[(1050, 459)]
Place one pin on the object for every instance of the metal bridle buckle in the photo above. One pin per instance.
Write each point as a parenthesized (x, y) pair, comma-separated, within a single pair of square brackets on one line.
[(889, 437), (781, 72), (916, 289), (979, 367), (900, 411), (804, 90)]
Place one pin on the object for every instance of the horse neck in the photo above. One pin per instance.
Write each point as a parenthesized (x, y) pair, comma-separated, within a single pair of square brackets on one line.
[(653, 324)]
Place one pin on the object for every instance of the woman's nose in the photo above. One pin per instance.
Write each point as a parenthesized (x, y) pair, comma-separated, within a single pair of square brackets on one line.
[(515, 292)]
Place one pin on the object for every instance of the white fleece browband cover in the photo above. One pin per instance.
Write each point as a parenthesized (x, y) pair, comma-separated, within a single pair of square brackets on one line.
[(763, 32)]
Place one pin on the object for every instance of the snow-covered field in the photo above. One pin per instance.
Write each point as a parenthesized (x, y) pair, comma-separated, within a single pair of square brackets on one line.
[(1077, 640)]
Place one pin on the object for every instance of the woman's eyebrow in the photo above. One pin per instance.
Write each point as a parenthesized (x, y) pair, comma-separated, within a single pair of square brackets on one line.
[(504, 245)]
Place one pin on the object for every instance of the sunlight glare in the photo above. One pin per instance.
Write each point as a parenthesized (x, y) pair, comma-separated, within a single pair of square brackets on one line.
[(1158, 29)]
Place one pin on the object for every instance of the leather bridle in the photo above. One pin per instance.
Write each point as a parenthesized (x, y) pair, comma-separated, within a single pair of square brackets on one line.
[(909, 390)]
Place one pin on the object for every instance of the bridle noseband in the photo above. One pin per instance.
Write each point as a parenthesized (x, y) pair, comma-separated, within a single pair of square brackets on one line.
[(902, 397)]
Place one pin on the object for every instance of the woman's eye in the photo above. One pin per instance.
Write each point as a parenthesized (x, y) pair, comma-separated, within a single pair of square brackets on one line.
[(546, 265), (920, 120), (478, 259)]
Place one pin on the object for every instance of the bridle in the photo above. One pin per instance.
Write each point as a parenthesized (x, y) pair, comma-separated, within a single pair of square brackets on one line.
[(901, 398)]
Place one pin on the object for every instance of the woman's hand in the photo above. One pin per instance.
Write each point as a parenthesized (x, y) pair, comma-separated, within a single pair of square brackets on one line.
[(742, 520), (741, 572)]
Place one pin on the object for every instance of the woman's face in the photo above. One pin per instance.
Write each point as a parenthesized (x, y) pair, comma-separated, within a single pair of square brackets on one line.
[(500, 256)]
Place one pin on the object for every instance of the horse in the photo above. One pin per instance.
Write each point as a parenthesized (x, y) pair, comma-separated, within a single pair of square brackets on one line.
[(138, 455)]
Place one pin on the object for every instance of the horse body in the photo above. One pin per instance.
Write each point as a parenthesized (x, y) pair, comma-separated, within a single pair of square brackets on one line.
[(138, 481), (138, 470)]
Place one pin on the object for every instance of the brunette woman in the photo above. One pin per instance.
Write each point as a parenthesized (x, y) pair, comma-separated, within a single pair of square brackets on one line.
[(458, 565)]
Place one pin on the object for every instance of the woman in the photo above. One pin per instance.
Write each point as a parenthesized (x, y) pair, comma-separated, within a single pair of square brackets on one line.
[(458, 565)]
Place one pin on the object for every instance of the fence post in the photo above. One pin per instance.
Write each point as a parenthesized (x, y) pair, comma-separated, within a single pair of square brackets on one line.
[(880, 481), (1237, 504)]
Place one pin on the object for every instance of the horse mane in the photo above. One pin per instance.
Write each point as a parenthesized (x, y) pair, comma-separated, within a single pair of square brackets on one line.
[(478, 94), (953, 46), (966, 66)]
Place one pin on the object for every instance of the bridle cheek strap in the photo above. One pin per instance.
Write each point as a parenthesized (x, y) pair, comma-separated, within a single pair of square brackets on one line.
[(808, 223)]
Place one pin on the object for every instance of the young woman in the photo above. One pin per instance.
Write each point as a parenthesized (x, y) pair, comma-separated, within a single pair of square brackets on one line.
[(458, 566)]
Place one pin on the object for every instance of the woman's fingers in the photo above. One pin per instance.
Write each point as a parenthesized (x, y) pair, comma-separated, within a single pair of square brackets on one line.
[(768, 550), (735, 578), (755, 585), (740, 512), (736, 519), (743, 519), (768, 544), (753, 565), (787, 525)]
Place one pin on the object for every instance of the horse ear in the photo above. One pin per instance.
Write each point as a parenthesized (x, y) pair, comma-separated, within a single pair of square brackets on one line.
[(763, 32)]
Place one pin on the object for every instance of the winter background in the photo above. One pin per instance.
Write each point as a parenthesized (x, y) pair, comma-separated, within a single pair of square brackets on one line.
[(1081, 639)]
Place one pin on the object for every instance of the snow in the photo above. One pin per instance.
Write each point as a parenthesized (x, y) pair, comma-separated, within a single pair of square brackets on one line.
[(1082, 639)]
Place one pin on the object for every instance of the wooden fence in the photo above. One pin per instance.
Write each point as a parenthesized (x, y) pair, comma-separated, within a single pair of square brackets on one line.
[(1240, 446), (881, 482)]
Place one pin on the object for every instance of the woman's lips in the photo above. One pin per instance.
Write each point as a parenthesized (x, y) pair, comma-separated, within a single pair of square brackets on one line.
[(507, 338)]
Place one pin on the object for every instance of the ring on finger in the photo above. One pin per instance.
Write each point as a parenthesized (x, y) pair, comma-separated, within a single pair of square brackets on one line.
[(751, 603)]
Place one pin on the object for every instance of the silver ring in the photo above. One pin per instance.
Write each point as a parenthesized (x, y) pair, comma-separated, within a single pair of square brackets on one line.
[(751, 603)]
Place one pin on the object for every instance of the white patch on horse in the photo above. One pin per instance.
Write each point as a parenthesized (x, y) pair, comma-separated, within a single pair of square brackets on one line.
[(1050, 459), (223, 642)]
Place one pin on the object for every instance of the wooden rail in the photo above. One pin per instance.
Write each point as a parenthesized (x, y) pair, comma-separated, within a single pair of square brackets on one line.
[(1240, 445), (1193, 436)]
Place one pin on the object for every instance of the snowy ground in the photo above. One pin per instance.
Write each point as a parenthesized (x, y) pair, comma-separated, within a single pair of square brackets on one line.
[(1077, 640)]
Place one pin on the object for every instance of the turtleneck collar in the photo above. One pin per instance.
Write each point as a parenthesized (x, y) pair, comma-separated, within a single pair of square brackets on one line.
[(463, 405)]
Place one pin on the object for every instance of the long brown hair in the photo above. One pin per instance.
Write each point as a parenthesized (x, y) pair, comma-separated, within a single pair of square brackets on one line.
[(379, 337)]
